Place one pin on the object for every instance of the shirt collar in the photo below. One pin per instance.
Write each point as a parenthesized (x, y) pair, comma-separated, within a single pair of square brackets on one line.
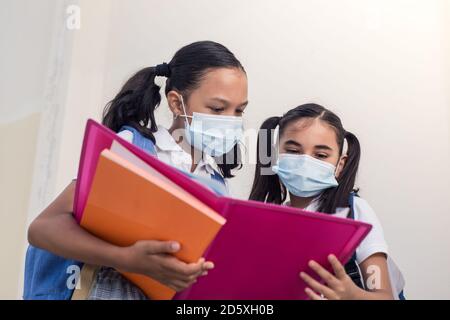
[(166, 142), (210, 164), (314, 206)]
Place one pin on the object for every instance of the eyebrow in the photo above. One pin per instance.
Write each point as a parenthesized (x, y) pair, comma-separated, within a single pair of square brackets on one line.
[(320, 146), (323, 147), (226, 102), (295, 143)]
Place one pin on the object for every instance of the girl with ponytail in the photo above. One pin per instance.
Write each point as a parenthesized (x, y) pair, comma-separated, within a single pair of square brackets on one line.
[(206, 90), (308, 156)]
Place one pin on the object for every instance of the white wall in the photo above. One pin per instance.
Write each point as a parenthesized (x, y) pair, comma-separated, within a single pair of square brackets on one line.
[(382, 65), (26, 33), (16, 171), (25, 48)]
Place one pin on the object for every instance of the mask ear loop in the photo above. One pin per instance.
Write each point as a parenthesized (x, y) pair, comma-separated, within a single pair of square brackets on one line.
[(276, 142), (186, 117), (276, 148), (241, 145), (240, 142), (344, 153), (184, 110)]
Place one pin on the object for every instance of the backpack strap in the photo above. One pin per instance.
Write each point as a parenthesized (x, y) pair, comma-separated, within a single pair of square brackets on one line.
[(47, 276), (140, 141), (216, 176), (352, 267)]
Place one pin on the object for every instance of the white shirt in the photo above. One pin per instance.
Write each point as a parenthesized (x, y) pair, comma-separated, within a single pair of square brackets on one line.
[(374, 241), (168, 151)]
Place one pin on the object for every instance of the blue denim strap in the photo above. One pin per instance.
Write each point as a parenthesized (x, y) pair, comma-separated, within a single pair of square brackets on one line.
[(140, 141), (47, 275)]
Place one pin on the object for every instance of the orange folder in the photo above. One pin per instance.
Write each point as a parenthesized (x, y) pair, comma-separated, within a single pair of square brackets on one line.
[(121, 209)]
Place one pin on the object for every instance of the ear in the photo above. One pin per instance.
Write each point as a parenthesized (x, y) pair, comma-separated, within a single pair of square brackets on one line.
[(341, 164), (174, 101)]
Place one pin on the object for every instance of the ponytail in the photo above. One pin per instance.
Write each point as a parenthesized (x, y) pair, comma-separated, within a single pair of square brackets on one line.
[(266, 185), (338, 197), (135, 104)]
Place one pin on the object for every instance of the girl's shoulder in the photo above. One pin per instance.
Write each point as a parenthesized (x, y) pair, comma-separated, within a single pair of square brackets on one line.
[(127, 135), (363, 211)]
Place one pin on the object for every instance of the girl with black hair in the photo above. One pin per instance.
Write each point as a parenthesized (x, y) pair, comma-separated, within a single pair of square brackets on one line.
[(302, 154), (206, 90)]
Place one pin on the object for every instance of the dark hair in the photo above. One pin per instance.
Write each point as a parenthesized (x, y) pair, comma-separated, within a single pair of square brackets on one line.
[(268, 188), (136, 102)]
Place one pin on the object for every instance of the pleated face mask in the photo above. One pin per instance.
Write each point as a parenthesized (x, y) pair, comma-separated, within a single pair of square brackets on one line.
[(213, 134), (303, 175)]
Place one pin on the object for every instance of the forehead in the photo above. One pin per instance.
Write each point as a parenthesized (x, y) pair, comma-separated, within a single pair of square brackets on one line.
[(310, 132), (226, 83)]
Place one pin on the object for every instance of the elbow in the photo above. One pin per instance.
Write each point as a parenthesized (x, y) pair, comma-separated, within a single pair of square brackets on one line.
[(33, 233)]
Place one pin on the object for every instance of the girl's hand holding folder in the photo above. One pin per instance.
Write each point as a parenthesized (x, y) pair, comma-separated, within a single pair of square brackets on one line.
[(155, 259), (338, 286)]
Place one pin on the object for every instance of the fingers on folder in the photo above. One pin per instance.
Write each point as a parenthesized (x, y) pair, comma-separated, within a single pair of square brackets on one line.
[(173, 247), (187, 270)]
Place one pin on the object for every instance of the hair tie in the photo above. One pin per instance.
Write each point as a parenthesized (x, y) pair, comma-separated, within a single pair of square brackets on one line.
[(162, 70)]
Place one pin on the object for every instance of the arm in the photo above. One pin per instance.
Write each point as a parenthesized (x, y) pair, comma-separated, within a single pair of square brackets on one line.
[(341, 287), (56, 230), (376, 277)]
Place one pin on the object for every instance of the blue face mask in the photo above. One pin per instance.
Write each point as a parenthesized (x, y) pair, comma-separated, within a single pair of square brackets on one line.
[(303, 175), (213, 134)]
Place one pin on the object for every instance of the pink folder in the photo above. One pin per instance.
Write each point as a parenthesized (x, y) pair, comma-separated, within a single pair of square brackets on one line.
[(261, 249)]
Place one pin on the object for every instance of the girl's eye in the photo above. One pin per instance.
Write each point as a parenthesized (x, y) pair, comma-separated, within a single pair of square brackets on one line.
[(291, 151), (216, 109), (321, 156), (239, 111)]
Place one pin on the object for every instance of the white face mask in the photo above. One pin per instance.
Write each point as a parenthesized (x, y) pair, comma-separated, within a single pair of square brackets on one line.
[(213, 134), (303, 175)]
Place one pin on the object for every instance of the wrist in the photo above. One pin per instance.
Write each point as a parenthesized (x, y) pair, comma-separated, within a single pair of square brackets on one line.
[(356, 293), (117, 257)]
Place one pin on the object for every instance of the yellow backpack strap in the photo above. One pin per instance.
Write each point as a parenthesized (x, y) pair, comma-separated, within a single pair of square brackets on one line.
[(86, 281)]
